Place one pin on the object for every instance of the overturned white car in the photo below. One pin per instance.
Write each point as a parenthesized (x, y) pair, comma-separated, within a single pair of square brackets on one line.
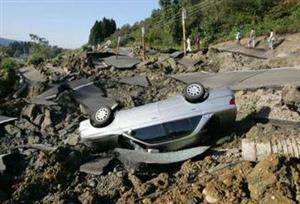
[(163, 126)]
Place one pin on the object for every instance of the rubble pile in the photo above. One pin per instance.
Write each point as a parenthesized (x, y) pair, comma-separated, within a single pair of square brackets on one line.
[(46, 140)]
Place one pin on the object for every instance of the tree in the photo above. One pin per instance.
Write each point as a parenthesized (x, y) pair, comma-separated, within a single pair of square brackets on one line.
[(165, 4), (101, 30)]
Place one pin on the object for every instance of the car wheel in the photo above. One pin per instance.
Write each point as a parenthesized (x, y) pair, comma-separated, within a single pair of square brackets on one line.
[(194, 92), (102, 117)]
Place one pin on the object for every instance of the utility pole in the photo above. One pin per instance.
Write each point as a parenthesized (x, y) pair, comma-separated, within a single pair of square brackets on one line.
[(183, 30), (143, 43), (118, 46)]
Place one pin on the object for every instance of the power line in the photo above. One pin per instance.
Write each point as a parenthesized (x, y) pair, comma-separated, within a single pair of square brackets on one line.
[(190, 13), (177, 14)]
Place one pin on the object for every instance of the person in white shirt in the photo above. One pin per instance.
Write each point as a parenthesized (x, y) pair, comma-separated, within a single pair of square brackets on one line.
[(252, 40), (189, 47), (238, 37), (272, 40)]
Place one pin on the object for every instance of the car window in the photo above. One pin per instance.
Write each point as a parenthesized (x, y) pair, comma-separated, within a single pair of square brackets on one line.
[(195, 121), (182, 127), (179, 127), (151, 133)]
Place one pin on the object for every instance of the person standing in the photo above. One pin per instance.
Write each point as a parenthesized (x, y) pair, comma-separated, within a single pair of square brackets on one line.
[(189, 47), (252, 40), (272, 39), (238, 37)]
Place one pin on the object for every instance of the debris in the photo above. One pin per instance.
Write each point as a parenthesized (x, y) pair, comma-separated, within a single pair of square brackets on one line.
[(243, 80), (258, 150), (91, 97), (291, 96), (177, 54), (136, 80), (96, 167), (32, 75), (73, 140), (122, 62), (188, 63), (257, 53)]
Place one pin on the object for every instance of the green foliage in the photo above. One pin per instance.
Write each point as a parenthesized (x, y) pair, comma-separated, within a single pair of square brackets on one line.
[(36, 59), (8, 63), (101, 30), (8, 79), (214, 20), (38, 45)]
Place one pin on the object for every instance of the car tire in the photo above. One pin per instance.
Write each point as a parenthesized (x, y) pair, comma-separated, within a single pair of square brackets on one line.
[(102, 117), (195, 92)]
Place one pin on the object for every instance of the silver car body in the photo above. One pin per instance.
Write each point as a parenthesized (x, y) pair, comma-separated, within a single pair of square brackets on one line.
[(219, 104)]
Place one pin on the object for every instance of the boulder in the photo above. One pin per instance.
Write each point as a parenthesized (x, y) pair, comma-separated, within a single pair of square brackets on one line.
[(291, 95), (72, 140), (266, 177), (13, 130), (30, 111), (47, 122)]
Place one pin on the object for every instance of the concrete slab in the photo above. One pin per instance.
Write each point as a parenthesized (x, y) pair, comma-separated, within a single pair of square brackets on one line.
[(92, 98), (53, 90), (251, 52), (100, 65), (229, 79), (191, 77), (136, 81), (122, 62), (177, 54), (188, 62), (271, 78), (95, 167), (32, 75), (242, 80), (5, 119)]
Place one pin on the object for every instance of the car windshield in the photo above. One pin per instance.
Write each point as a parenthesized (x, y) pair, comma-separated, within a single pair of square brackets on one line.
[(167, 131)]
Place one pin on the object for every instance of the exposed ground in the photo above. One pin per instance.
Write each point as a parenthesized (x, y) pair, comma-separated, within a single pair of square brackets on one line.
[(219, 176)]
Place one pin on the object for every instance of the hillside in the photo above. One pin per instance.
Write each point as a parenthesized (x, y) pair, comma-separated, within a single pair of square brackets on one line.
[(213, 21), (5, 42)]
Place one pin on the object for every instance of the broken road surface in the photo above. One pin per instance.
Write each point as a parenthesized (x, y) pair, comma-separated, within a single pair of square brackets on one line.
[(5, 119), (122, 62), (241, 80)]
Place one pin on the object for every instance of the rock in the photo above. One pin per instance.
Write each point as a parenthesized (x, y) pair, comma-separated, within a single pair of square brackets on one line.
[(93, 183), (47, 122), (33, 140), (30, 111), (36, 89), (291, 95), (136, 182), (173, 64), (266, 176), (72, 140), (13, 130), (38, 120), (86, 198), (212, 195)]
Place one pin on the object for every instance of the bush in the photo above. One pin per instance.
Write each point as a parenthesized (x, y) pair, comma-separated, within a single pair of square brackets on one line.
[(8, 63), (35, 60)]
